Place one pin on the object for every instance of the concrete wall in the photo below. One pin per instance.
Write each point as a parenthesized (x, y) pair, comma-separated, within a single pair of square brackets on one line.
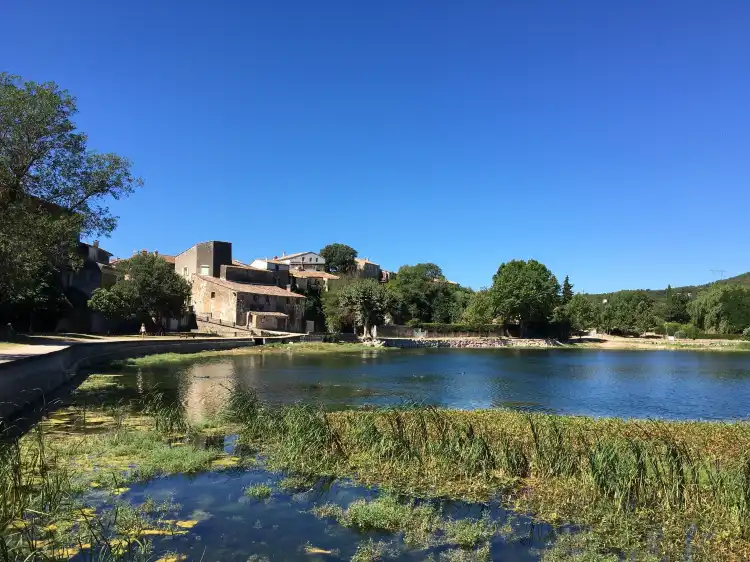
[(187, 260), (26, 381)]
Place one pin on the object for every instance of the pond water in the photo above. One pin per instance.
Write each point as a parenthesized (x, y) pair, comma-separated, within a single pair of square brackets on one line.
[(232, 526), (628, 384)]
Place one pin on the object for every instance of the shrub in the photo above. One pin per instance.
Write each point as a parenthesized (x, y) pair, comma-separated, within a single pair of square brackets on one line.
[(746, 334)]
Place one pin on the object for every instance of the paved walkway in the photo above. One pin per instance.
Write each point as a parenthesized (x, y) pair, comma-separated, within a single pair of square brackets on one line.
[(11, 352)]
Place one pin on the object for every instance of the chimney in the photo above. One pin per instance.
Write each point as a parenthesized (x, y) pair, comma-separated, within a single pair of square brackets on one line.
[(276, 257), (283, 253), (96, 243)]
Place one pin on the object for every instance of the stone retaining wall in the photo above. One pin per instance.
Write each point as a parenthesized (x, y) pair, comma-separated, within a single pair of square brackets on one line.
[(26, 381), (468, 343)]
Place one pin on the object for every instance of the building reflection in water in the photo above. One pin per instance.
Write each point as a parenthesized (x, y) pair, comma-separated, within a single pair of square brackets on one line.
[(206, 388)]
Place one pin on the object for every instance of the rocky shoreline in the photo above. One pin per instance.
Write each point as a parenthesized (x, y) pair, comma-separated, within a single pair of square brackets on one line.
[(467, 343)]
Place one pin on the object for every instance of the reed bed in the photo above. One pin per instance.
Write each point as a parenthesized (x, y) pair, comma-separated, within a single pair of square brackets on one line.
[(648, 489)]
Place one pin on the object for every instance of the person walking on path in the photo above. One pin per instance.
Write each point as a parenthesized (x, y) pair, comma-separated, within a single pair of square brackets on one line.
[(143, 330)]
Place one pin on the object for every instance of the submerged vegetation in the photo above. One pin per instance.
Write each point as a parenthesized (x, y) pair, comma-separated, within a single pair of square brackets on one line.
[(274, 348), (637, 490)]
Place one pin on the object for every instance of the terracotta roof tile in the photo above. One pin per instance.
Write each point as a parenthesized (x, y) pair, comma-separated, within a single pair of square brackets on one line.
[(251, 288), (314, 274)]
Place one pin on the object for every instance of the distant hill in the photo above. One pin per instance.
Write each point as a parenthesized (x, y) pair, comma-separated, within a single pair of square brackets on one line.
[(660, 294)]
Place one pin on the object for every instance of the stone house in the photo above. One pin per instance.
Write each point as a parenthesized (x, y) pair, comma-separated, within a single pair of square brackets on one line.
[(308, 261), (225, 290), (96, 271), (367, 269), (248, 305), (205, 258), (302, 279)]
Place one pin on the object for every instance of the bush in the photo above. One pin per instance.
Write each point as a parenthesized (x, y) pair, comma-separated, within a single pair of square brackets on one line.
[(705, 336), (746, 334)]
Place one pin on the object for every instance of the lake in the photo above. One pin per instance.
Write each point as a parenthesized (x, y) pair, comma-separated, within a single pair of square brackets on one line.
[(673, 385)]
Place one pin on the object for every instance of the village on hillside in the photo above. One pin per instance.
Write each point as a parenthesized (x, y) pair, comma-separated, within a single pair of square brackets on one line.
[(228, 297)]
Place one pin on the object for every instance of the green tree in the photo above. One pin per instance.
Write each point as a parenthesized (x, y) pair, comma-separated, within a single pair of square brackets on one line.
[(525, 291), (422, 293), (567, 291), (339, 258), (53, 189), (722, 309), (365, 301), (629, 312), (675, 307), (581, 313), (480, 309), (148, 287)]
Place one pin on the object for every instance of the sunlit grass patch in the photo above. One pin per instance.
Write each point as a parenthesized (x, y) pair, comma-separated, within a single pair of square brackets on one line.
[(258, 491)]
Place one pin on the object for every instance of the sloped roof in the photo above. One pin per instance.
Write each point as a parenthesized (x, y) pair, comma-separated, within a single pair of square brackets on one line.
[(251, 288), (365, 260), (298, 254), (313, 274), (264, 313)]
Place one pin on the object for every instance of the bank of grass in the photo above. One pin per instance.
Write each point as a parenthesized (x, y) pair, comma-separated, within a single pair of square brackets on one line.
[(642, 489), (311, 348)]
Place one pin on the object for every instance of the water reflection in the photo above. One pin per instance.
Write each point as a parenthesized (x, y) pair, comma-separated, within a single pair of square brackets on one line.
[(233, 526), (645, 384)]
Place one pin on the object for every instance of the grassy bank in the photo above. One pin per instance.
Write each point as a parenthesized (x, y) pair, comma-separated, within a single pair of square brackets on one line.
[(271, 349), (646, 490)]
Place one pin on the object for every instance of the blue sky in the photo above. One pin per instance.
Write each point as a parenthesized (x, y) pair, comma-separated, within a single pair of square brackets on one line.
[(609, 140)]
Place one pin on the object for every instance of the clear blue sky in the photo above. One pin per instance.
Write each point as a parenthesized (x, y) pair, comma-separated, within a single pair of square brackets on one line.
[(609, 140)]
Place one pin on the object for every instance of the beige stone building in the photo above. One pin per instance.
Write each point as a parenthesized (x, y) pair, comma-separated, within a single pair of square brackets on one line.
[(247, 305)]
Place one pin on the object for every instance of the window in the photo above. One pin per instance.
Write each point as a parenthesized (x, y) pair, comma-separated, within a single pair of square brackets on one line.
[(255, 298), (185, 272), (205, 270), (287, 300), (268, 299), (213, 295), (303, 259), (316, 260)]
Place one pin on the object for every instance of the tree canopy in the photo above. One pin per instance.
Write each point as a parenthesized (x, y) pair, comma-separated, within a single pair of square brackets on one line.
[(525, 291), (147, 287), (423, 294), (366, 302), (567, 291), (581, 313), (339, 258), (480, 309), (722, 309), (53, 189), (675, 307), (629, 312)]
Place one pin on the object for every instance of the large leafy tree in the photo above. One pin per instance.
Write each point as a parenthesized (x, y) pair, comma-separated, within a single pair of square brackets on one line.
[(480, 309), (365, 301), (675, 307), (339, 258), (525, 291), (53, 189), (147, 288), (423, 293), (580, 313), (629, 312), (722, 309)]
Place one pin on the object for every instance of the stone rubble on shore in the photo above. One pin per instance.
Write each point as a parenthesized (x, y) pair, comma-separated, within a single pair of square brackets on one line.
[(468, 343)]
